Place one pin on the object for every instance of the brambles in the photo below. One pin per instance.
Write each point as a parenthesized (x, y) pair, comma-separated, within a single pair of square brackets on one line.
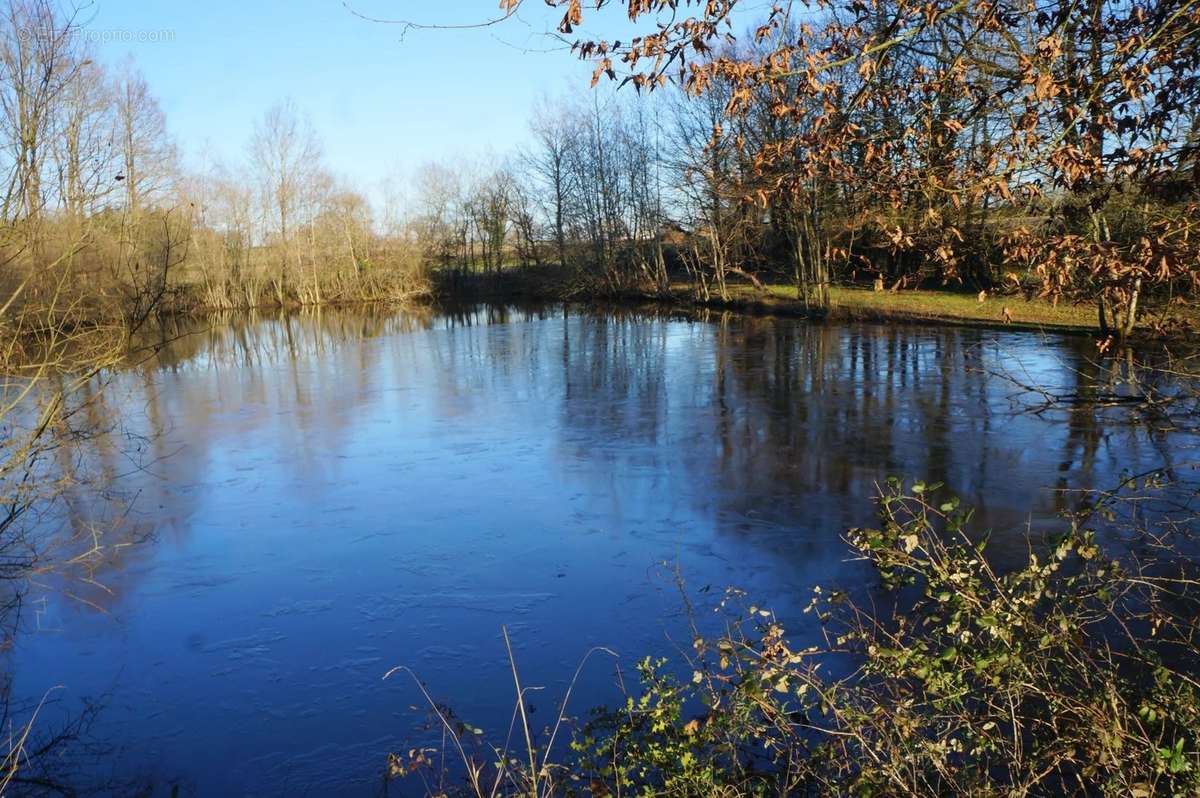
[(1074, 674)]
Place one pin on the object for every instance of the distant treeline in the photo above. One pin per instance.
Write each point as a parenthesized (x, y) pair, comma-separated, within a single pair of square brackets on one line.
[(99, 220), (888, 144), (1052, 148)]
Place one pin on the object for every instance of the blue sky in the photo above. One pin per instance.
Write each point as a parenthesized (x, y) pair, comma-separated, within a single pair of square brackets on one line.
[(381, 101)]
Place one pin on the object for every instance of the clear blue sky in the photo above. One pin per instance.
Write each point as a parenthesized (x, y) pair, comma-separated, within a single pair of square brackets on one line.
[(378, 100)]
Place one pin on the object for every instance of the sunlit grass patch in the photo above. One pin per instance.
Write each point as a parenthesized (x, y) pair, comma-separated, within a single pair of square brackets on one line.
[(931, 305)]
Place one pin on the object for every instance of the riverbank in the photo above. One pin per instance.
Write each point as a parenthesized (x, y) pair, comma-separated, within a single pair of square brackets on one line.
[(915, 306), (848, 303)]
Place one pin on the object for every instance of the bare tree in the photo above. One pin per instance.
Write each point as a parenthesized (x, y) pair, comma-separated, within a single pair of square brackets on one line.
[(84, 152), (490, 210), (285, 154), (147, 154), (548, 159), (440, 224), (37, 62), (523, 214)]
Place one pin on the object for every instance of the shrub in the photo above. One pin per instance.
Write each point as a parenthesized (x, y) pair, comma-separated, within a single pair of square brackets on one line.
[(1074, 674)]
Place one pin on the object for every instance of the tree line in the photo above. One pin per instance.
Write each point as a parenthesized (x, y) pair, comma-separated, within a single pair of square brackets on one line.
[(1045, 147), (100, 220), (1050, 148)]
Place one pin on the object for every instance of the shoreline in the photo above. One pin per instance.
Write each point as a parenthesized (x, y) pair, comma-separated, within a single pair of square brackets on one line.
[(849, 304)]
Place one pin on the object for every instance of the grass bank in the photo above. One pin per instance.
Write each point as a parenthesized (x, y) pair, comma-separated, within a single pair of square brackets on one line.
[(917, 306), (848, 303)]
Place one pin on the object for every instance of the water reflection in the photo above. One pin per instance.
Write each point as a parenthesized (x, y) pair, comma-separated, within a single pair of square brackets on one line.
[(334, 493)]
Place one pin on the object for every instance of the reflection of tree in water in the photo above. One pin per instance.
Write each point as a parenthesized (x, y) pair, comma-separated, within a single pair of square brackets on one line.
[(117, 463), (147, 438), (59, 533), (781, 423), (1144, 405), (794, 424), (138, 443), (772, 431)]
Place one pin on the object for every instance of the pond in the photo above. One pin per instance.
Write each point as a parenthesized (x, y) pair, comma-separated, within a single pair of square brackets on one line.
[(319, 497)]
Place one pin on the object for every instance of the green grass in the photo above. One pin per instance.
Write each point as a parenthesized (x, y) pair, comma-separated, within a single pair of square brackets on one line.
[(864, 304), (937, 306)]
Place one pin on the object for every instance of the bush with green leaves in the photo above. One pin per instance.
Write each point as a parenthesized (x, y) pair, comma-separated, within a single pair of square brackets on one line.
[(1075, 674)]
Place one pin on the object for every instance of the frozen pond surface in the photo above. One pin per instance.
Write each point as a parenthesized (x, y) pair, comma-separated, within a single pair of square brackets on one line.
[(328, 495)]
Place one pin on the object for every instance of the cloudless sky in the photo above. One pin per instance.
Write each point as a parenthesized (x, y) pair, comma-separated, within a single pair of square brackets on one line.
[(383, 100)]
